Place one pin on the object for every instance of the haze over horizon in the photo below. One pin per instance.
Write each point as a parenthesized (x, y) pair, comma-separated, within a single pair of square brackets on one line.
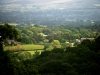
[(44, 1), (49, 12)]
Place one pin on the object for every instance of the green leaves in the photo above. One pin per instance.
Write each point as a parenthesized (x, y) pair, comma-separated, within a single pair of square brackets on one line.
[(22, 56), (8, 32)]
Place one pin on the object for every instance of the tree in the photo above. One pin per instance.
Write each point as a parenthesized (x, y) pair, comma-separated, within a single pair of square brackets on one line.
[(51, 67), (56, 67), (97, 41), (31, 69), (48, 47), (26, 39), (56, 44), (7, 32)]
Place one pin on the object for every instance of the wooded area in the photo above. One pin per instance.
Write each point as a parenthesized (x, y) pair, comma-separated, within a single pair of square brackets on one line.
[(82, 59)]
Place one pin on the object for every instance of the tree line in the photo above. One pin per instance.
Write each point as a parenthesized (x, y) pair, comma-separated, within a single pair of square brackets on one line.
[(38, 34)]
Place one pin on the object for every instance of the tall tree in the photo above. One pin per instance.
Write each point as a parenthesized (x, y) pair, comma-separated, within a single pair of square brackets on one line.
[(7, 32)]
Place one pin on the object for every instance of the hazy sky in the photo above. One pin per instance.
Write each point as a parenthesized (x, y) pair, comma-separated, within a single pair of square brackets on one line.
[(51, 1), (59, 1), (47, 1), (41, 1)]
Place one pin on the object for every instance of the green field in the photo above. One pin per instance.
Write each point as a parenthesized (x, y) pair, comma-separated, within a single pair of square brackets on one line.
[(28, 47), (31, 48)]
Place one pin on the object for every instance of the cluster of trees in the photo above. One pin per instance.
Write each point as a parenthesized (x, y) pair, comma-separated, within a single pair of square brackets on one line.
[(38, 34), (8, 32), (80, 60)]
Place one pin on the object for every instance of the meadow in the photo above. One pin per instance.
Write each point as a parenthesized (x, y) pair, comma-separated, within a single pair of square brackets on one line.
[(31, 48)]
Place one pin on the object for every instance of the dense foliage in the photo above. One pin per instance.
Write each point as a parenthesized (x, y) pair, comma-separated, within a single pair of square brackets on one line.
[(83, 59), (67, 33), (80, 60), (7, 32)]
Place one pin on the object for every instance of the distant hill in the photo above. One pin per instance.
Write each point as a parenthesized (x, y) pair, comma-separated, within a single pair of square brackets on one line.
[(50, 12)]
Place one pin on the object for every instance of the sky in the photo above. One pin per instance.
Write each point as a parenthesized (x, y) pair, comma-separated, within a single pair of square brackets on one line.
[(56, 1), (41, 1), (60, 1), (47, 0)]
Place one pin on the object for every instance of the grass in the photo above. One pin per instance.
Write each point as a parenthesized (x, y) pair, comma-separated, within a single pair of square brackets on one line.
[(32, 47), (28, 47)]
